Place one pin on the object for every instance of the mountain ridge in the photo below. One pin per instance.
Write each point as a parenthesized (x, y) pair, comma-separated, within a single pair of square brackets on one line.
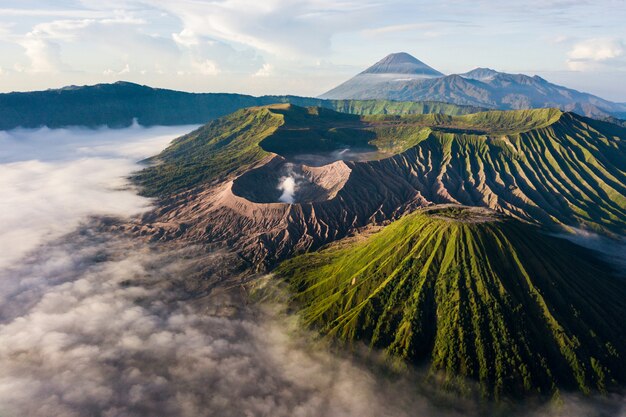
[(482, 87), (121, 103), (220, 182)]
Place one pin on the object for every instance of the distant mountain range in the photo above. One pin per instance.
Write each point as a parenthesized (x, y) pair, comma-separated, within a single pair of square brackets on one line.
[(118, 104), (402, 77), (398, 84)]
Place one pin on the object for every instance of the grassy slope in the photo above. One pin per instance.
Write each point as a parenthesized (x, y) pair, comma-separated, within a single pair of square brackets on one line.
[(574, 169), (222, 147), (566, 167), (497, 302)]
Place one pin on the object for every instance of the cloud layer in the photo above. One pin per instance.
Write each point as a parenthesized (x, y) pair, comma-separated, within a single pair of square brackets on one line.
[(51, 180), (596, 53), (105, 338)]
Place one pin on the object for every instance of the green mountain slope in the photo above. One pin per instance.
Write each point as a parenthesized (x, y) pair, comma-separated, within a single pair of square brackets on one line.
[(541, 165), (223, 147), (117, 105), (476, 296)]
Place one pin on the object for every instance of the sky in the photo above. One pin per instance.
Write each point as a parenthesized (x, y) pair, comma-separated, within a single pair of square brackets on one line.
[(305, 47)]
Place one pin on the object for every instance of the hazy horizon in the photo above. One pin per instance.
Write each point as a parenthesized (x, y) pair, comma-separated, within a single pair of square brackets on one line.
[(304, 47)]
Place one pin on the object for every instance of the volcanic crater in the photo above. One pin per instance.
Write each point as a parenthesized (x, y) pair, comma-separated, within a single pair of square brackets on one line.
[(241, 180), (280, 181)]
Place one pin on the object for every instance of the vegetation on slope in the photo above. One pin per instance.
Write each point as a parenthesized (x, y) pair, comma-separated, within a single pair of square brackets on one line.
[(476, 296), (117, 105), (539, 165), (572, 170), (222, 147)]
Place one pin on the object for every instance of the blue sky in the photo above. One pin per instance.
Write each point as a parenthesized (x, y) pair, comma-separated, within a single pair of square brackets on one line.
[(305, 47)]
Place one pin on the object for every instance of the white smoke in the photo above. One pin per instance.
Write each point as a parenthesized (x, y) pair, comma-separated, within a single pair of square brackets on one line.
[(288, 186)]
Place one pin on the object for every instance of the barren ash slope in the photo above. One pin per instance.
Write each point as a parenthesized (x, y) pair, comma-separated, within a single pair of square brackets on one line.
[(480, 293)]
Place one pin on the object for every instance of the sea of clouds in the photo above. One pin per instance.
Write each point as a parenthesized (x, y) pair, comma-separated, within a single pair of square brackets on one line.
[(94, 323)]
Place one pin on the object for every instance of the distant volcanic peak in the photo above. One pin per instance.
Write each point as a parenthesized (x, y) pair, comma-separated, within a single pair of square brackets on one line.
[(402, 63), (401, 77)]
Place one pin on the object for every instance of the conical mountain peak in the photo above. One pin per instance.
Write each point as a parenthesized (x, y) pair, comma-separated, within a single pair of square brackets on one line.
[(402, 63)]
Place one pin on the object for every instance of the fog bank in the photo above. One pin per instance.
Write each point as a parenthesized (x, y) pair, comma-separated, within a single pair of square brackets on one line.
[(103, 328), (51, 179)]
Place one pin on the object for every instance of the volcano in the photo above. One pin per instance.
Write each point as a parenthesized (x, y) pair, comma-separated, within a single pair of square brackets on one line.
[(463, 275), (475, 295)]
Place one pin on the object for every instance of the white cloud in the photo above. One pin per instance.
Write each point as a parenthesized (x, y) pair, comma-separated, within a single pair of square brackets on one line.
[(280, 27), (204, 56), (92, 44), (265, 71), (400, 28), (44, 55), (34, 12), (114, 337), (206, 67), (124, 70), (53, 179), (595, 53), (186, 38)]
